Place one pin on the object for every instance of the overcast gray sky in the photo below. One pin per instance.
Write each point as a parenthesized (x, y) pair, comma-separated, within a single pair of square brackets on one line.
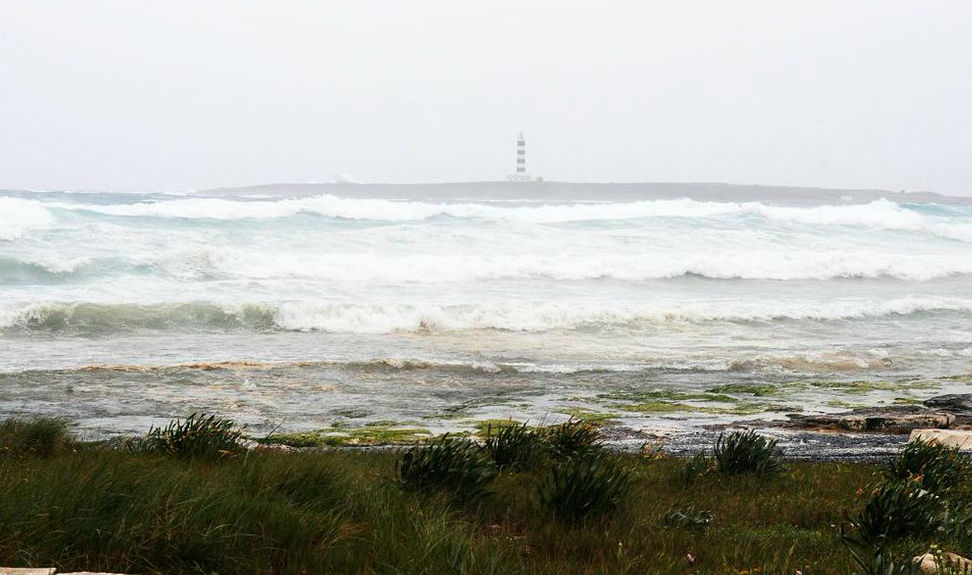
[(175, 95)]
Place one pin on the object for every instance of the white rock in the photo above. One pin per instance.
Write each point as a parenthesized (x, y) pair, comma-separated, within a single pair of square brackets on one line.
[(27, 570), (954, 564), (961, 438)]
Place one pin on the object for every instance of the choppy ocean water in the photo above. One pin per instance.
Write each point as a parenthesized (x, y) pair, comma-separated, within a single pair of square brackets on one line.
[(120, 310)]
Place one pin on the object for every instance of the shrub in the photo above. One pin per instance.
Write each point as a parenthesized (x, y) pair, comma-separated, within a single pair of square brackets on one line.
[(936, 468), (895, 511), (898, 510), (573, 437), (43, 436), (583, 486), (876, 560), (449, 464), (516, 446), (688, 517), (746, 452), (959, 528), (198, 436)]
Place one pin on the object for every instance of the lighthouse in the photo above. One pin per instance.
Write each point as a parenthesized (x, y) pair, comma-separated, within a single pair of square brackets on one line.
[(520, 174)]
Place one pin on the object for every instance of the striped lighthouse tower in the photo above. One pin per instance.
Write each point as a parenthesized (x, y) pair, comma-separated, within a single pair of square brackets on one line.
[(520, 154), (520, 173)]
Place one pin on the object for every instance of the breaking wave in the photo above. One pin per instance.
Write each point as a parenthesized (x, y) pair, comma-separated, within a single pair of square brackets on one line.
[(19, 216), (880, 214), (394, 269), (390, 318)]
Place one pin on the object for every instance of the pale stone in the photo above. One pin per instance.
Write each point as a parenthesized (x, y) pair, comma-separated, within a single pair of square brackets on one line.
[(27, 570), (954, 564), (960, 438), (902, 419)]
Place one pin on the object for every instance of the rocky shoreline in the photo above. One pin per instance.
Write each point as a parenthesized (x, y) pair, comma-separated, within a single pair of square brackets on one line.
[(862, 434)]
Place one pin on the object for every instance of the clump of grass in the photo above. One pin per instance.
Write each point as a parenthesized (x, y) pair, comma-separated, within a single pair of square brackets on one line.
[(43, 437), (97, 508), (959, 528), (451, 464), (934, 467), (573, 437), (895, 511), (516, 446), (898, 510), (584, 486), (688, 517), (303, 479), (698, 466), (198, 435), (746, 452), (924, 492)]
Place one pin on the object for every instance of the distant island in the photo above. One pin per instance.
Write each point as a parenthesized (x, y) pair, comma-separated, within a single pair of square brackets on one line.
[(577, 191)]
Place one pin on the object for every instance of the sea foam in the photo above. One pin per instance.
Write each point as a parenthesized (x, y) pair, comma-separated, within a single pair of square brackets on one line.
[(522, 316), (880, 214)]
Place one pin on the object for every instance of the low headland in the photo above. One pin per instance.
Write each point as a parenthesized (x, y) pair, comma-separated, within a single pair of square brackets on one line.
[(593, 191)]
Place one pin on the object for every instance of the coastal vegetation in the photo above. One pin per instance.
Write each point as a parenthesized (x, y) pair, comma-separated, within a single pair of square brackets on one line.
[(198, 496)]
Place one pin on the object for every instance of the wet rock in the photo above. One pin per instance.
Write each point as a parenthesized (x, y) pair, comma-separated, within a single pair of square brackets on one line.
[(954, 402), (958, 404), (950, 562), (902, 419), (960, 438)]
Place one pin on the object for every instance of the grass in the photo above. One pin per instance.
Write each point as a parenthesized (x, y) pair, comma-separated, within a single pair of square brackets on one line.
[(516, 446), (585, 486), (43, 436), (746, 452), (91, 507), (937, 468), (923, 493), (197, 436), (573, 437), (454, 465)]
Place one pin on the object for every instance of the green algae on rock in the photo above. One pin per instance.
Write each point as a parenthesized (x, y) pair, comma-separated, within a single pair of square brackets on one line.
[(374, 434), (757, 389)]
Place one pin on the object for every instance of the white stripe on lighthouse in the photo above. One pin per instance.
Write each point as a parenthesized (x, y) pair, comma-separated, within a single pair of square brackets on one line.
[(520, 154)]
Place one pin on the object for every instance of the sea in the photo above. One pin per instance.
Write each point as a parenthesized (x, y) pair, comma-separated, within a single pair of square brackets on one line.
[(333, 308)]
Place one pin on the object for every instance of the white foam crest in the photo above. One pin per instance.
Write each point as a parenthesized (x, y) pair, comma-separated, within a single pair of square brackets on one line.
[(18, 216), (391, 268), (57, 264), (545, 316), (519, 316), (882, 213)]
